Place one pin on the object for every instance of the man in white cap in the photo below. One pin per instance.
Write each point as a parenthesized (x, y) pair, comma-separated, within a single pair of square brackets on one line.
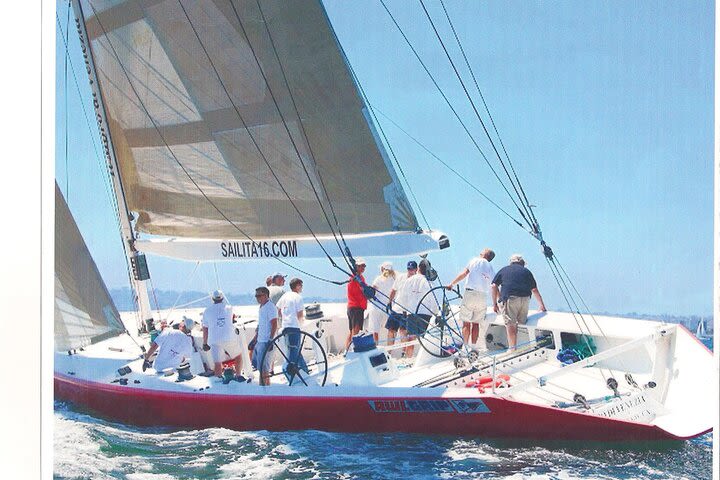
[(219, 335), (277, 287), (513, 285), (382, 284), (175, 346), (477, 274), (357, 302)]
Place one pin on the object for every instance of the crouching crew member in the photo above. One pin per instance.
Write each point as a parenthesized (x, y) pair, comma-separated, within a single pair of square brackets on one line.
[(175, 346)]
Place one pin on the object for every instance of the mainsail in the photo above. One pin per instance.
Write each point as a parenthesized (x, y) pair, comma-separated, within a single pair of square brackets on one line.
[(215, 107), (84, 311)]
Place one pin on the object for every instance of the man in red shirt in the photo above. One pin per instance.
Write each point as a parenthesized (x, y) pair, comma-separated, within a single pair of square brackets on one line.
[(357, 303)]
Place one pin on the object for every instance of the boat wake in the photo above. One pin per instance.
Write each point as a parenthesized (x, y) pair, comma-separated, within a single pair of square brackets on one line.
[(88, 447)]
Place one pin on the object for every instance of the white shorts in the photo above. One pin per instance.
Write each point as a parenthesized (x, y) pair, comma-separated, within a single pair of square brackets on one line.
[(225, 351), (473, 307), (376, 320)]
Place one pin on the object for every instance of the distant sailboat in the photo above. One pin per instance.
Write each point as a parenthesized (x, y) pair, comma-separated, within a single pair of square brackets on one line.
[(701, 331)]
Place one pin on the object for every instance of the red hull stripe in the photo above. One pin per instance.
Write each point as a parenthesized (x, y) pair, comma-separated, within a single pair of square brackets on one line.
[(485, 417)]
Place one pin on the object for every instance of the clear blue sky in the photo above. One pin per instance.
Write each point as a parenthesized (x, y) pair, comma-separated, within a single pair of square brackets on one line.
[(606, 109)]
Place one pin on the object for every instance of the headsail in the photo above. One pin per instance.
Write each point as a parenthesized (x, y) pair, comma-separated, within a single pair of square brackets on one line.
[(191, 115), (84, 311)]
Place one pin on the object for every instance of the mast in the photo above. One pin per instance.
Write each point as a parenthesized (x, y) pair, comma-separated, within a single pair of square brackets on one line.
[(137, 265)]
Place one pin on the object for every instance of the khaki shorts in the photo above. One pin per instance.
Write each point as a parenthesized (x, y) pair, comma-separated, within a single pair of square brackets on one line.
[(223, 352), (515, 310), (473, 307)]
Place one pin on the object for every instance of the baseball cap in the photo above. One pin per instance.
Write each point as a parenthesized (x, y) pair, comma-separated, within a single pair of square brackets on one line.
[(218, 295), (360, 261), (189, 322), (412, 265), (386, 266)]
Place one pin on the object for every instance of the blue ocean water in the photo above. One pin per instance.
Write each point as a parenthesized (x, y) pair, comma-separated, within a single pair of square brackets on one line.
[(90, 447)]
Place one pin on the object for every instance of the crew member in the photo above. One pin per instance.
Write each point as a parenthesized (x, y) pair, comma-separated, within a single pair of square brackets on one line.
[(267, 326), (423, 306), (398, 302), (356, 301), (219, 335), (291, 310), (513, 285), (382, 284), (277, 287), (175, 346), (479, 275)]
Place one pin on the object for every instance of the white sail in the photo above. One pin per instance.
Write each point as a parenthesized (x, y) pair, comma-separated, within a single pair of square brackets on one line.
[(195, 108), (84, 311)]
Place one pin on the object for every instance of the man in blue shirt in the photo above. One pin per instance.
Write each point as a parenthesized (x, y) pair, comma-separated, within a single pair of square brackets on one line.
[(514, 285)]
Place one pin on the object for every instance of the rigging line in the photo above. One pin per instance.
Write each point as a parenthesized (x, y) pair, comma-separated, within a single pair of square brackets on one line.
[(472, 104), (563, 290), (304, 134), (111, 197), (487, 109), (217, 279), (457, 116), (67, 54), (461, 177), (202, 192), (397, 162), (370, 109), (587, 309), (187, 283), (579, 296), (252, 137)]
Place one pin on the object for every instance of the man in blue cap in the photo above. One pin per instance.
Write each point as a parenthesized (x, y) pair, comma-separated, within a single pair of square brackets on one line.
[(399, 296)]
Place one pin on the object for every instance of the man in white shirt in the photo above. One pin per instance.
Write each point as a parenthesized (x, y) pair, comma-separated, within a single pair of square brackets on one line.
[(421, 305), (267, 326), (292, 311), (479, 274), (219, 335), (175, 345), (398, 302), (277, 287)]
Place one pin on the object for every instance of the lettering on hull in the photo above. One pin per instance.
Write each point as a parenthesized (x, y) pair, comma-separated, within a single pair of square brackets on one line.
[(276, 248), (428, 406)]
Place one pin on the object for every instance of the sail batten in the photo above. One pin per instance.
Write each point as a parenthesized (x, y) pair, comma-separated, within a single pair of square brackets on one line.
[(217, 117)]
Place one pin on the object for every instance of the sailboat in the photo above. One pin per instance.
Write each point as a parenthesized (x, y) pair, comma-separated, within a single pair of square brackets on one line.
[(701, 330), (230, 130)]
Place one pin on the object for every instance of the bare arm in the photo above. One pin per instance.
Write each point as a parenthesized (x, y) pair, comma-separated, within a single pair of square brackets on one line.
[(539, 299), (273, 328), (458, 279), (495, 295), (149, 353), (205, 335), (391, 297)]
